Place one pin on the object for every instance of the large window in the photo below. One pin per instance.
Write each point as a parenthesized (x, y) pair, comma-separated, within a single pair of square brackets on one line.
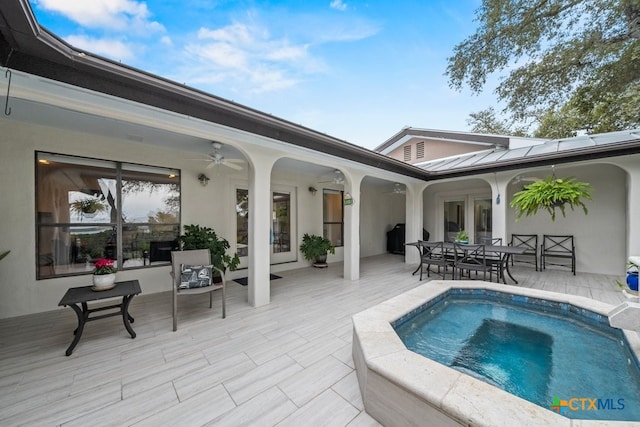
[(333, 214), (88, 209)]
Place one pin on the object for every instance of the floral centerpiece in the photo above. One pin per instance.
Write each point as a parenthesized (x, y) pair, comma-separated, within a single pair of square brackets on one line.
[(104, 274)]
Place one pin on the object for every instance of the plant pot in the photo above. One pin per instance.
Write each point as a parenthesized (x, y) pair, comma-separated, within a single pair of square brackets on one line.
[(321, 261), (103, 282), (632, 281)]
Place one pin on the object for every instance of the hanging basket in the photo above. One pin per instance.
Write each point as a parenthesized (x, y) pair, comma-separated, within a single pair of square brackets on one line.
[(550, 194)]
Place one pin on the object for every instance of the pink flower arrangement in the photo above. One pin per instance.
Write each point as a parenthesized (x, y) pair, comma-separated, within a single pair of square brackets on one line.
[(104, 266)]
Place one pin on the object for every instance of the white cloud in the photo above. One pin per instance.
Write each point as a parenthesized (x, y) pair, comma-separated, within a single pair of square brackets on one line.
[(109, 14), (114, 49), (249, 56), (338, 5)]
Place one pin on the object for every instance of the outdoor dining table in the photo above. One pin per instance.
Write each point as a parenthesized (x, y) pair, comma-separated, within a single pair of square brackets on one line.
[(505, 255)]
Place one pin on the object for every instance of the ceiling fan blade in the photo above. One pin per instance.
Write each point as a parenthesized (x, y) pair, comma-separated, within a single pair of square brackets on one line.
[(232, 165), (210, 165)]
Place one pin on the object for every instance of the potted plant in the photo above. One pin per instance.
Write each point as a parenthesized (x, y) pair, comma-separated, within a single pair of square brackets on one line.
[(632, 279), (549, 194), (88, 207), (462, 237), (104, 274), (197, 237), (315, 248)]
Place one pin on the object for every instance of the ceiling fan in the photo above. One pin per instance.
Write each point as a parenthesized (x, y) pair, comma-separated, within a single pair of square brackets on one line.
[(397, 189), (338, 178), (216, 158)]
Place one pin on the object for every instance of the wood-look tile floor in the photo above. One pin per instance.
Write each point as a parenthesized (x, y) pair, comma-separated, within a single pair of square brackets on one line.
[(286, 364)]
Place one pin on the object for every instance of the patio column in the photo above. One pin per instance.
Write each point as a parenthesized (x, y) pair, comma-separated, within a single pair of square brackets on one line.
[(499, 183), (259, 287), (352, 227), (414, 220)]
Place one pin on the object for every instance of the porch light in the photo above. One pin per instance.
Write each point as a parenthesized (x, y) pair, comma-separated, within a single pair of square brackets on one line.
[(204, 179)]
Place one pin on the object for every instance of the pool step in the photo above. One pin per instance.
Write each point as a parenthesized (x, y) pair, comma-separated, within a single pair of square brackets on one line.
[(626, 316)]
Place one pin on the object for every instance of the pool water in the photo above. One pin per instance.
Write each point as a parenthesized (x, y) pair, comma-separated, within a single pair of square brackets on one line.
[(584, 370)]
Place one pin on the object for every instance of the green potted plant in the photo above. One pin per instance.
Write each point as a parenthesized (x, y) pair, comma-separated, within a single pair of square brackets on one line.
[(549, 194), (462, 237), (197, 237), (315, 248), (88, 207)]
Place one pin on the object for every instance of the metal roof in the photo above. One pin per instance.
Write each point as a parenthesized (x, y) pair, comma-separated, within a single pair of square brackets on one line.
[(554, 151)]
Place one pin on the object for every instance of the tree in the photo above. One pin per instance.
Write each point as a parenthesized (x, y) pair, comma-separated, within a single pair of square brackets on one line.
[(485, 121), (577, 58)]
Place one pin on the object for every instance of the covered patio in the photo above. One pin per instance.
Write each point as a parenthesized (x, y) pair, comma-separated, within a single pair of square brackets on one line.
[(286, 363)]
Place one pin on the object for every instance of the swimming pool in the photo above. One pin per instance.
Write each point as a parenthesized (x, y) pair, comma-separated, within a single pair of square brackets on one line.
[(533, 349), (400, 387)]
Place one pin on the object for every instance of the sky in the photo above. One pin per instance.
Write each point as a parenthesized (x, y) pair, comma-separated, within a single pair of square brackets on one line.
[(356, 70)]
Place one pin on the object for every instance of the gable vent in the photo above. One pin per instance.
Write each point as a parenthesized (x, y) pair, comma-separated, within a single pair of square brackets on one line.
[(420, 150), (407, 153)]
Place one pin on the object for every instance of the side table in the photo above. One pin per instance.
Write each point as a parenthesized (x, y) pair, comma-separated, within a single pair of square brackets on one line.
[(77, 299)]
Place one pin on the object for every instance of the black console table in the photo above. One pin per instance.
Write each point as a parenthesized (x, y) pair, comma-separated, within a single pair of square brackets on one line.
[(77, 299)]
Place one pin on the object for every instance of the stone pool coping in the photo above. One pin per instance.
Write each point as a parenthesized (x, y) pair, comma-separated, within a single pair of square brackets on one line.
[(400, 387)]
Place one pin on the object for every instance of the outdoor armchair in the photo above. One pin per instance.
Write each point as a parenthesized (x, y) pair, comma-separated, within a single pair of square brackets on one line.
[(197, 257)]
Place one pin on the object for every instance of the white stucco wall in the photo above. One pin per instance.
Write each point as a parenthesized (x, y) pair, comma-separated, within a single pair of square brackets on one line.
[(379, 213), (212, 206), (601, 236)]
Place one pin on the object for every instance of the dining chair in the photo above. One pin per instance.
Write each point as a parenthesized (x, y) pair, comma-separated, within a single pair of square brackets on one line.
[(558, 248), (530, 243), (493, 241), (471, 258), (182, 260), (432, 253), (494, 259)]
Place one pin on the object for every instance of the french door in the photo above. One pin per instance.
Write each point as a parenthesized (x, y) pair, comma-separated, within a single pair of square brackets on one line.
[(283, 230), (470, 212)]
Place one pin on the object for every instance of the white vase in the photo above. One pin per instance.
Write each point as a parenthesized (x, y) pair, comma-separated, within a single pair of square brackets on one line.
[(103, 282)]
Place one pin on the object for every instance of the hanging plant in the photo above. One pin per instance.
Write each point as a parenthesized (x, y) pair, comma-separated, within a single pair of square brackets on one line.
[(88, 207), (549, 194)]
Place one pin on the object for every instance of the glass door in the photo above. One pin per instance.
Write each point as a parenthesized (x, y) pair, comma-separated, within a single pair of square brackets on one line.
[(283, 235), (482, 220), (454, 219), (283, 227)]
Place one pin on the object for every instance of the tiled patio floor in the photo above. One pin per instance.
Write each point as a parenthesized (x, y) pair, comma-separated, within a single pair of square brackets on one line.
[(286, 364)]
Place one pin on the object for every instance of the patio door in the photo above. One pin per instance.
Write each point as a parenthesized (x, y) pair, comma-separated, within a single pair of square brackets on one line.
[(283, 233), (482, 219), (454, 218), (470, 212)]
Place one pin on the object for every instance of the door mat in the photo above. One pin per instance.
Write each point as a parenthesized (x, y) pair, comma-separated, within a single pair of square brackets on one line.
[(244, 281)]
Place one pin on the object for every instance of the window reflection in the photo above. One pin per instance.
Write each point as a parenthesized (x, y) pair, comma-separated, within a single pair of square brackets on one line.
[(79, 218)]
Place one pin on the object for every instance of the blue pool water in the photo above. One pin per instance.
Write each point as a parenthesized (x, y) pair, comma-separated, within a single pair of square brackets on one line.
[(551, 356)]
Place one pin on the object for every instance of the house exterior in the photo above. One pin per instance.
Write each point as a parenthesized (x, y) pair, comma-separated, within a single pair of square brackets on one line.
[(416, 146), (78, 127)]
